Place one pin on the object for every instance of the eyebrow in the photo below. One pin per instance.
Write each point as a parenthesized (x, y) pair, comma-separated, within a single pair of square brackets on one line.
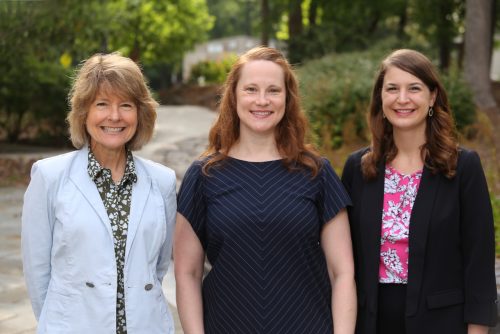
[(410, 84)]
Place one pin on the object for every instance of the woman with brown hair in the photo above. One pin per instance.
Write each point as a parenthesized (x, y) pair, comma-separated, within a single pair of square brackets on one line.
[(421, 219), (269, 214)]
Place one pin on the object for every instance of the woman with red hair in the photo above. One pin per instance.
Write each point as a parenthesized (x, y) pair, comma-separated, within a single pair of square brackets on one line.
[(269, 214)]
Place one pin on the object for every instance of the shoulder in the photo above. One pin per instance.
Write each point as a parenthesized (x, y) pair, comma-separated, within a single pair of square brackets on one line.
[(161, 173), (357, 155), (54, 167), (467, 160), (196, 168), (353, 161)]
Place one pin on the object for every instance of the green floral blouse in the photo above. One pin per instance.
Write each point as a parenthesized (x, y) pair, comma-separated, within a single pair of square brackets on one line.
[(116, 199)]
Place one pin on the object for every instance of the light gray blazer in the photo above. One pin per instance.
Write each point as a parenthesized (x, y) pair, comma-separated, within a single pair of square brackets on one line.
[(68, 251)]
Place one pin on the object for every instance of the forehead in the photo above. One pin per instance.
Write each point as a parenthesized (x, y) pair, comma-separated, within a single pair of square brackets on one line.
[(108, 91), (395, 75), (262, 72)]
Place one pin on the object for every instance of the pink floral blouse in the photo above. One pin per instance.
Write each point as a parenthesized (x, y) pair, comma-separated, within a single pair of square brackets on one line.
[(400, 192)]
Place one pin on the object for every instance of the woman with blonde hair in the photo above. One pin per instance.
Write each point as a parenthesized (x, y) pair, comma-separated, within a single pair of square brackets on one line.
[(268, 213), (97, 223)]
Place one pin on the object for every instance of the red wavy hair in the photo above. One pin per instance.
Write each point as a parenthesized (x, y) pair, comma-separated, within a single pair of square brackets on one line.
[(291, 131)]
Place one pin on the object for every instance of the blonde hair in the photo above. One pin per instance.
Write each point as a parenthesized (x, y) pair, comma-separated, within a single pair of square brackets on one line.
[(116, 74)]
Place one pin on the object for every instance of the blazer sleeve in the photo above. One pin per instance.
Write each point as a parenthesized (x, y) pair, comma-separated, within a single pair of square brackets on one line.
[(478, 243), (36, 238), (167, 183)]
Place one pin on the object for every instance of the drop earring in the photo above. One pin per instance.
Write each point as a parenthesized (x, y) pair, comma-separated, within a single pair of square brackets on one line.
[(430, 112)]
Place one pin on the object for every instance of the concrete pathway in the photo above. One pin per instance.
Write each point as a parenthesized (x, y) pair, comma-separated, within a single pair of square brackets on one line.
[(180, 136)]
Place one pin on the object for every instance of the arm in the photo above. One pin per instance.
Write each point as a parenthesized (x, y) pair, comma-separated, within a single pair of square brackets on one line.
[(189, 259), (336, 244), (36, 240), (478, 244)]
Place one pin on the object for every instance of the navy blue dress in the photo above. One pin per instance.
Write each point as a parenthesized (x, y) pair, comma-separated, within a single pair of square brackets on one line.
[(260, 227)]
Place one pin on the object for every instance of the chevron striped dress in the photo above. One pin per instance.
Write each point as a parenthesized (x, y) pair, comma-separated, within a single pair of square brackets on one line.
[(260, 227)]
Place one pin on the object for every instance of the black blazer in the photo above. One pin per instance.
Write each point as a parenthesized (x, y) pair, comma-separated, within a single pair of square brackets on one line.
[(451, 278)]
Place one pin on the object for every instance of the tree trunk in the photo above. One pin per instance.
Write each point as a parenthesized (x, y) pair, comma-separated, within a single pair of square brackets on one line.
[(294, 30), (264, 40), (403, 20), (478, 18), (477, 64)]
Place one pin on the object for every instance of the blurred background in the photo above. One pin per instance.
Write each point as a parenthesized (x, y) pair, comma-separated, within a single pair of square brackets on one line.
[(187, 46)]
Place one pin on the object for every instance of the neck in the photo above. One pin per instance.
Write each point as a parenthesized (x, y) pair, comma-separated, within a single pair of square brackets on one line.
[(409, 157), (113, 160), (255, 148)]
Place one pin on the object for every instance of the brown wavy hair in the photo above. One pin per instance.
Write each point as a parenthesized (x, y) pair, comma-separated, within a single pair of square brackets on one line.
[(291, 131), (440, 151), (118, 75)]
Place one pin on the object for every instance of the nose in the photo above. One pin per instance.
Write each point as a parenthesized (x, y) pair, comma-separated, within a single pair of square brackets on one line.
[(403, 96), (114, 113), (262, 99)]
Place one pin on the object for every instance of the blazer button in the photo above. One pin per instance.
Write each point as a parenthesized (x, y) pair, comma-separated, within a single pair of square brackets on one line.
[(90, 284), (148, 286)]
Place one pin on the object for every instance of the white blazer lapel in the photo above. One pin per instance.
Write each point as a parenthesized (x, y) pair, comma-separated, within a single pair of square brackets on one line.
[(140, 194), (80, 177)]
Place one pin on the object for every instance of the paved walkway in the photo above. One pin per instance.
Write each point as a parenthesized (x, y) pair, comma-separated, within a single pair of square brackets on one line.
[(180, 137)]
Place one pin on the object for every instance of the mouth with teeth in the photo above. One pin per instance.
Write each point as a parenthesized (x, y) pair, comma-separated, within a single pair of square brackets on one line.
[(261, 113), (404, 111), (108, 129)]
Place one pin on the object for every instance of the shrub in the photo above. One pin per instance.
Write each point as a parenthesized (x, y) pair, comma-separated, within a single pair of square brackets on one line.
[(335, 89), (336, 93), (213, 71)]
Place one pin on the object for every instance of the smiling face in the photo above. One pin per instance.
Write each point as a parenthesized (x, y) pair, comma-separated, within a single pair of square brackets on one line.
[(260, 97), (405, 100), (111, 122)]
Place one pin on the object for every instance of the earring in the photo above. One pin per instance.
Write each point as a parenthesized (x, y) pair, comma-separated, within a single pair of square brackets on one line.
[(383, 115), (430, 112)]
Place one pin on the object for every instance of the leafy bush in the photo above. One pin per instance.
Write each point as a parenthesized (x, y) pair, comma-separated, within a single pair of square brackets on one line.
[(336, 93), (213, 71), (460, 99), (495, 203), (336, 88), (33, 98)]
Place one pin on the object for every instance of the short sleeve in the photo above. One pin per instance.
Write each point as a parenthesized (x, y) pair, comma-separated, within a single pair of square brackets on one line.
[(191, 201), (333, 194)]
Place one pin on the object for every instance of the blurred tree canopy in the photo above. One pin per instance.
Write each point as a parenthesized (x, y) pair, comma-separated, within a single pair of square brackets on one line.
[(41, 42)]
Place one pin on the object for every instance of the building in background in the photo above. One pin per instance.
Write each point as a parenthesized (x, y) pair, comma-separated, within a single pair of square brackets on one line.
[(217, 49)]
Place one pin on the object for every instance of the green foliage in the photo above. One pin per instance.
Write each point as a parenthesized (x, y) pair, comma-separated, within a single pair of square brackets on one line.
[(33, 82), (495, 203), (42, 40), (337, 89), (460, 99), (213, 71)]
